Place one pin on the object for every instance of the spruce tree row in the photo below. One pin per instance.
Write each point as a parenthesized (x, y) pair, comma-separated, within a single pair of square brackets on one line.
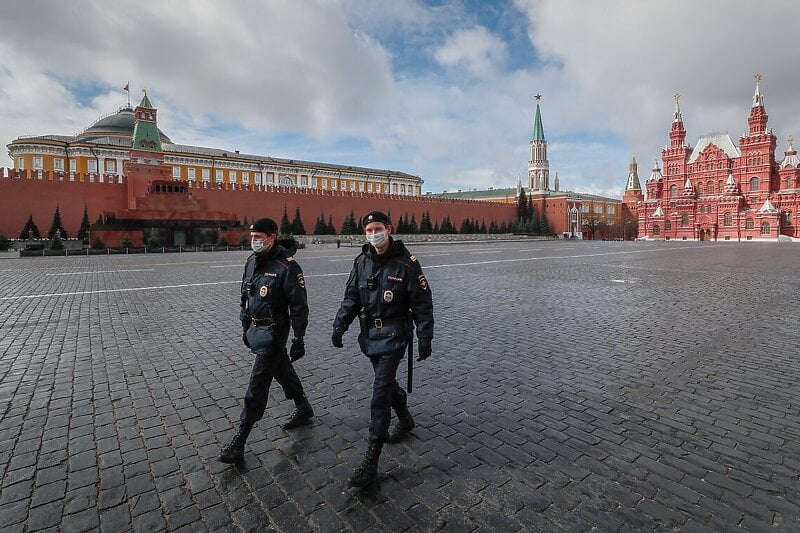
[(528, 220), (31, 230), (527, 223)]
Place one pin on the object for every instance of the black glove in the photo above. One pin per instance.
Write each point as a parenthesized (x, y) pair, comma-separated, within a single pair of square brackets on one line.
[(244, 339), (336, 338), (424, 347), (297, 350)]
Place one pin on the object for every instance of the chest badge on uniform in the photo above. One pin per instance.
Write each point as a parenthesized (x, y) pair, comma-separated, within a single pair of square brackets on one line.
[(388, 296), (263, 291)]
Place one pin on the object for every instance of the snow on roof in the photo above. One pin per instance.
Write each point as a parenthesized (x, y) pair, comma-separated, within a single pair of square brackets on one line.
[(721, 140)]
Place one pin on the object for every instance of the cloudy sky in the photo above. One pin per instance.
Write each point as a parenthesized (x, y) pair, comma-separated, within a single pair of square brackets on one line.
[(441, 89)]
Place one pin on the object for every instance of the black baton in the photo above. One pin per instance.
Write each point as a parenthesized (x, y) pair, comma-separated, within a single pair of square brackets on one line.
[(410, 375)]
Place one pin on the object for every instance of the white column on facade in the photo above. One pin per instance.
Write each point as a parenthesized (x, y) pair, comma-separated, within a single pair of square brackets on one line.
[(101, 168)]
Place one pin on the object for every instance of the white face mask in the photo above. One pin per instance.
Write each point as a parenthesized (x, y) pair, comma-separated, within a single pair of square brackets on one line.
[(377, 239), (257, 245)]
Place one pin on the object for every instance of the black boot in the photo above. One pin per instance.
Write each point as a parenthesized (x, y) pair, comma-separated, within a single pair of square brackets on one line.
[(367, 471), (234, 452), (301, 414), (405, 423)]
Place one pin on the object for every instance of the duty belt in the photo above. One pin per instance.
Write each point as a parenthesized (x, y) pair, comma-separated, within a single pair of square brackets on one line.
[(378, 323), (262, 322)]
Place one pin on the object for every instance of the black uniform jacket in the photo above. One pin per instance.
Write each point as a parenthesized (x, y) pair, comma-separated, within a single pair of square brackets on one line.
[(385, 289), (273, 290)]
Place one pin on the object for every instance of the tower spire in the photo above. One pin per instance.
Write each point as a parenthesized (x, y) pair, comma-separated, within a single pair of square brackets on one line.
[(538, 166), (538, 129), (677, 134), (758, 99), (677, 117), (758, 114), (633, 176)]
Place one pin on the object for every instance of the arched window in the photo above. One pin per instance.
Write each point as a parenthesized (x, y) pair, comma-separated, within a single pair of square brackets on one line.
[(765, 228), (656, 229), (710, 187), (685, 220), (753, 184), (749, 224), (287, 180), (673, 191), (727, 219), (720, 186)]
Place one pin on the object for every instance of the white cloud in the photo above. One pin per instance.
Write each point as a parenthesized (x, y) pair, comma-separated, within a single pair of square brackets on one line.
[(475, 50)]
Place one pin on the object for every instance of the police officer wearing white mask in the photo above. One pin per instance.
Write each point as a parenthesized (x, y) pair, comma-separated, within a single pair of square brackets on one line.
[(390, 295), (273, 299)]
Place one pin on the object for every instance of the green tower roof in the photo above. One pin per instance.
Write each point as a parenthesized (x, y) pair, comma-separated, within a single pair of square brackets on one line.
[(146, 102), (538, 130), (145, 132)]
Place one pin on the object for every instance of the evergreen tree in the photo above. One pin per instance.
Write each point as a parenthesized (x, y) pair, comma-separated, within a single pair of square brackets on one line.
[(503, 228), (99, 219), (359, 227), (83, 231), (297, 224), (412, 226), (331, 229), (447, 226), (534, 226), (319, 227), (245, 222), (436, 228), (493, 227), (530, 213), (57, 226), (522, 205), (425, 226), (482, 229), (30, 230), (544, 226), (55, 242), (286, 226), (349, 224)]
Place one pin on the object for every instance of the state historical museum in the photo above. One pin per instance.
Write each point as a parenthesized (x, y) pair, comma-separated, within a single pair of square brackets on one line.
[(717, 190)]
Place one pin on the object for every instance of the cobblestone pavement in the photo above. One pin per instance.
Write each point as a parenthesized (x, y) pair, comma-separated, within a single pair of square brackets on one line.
[(573, 386)]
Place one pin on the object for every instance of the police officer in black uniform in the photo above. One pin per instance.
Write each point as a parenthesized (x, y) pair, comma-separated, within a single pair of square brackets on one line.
[(273, 299), (389, 293)]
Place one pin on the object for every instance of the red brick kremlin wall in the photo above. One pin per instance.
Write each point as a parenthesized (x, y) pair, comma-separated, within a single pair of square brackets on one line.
[(28, 195)]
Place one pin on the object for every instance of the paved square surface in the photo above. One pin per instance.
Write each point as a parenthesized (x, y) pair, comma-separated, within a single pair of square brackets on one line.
[(573, 386)]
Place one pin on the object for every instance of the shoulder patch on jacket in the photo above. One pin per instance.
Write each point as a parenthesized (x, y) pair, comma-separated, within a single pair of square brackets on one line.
[(423, 282), (413, 258)]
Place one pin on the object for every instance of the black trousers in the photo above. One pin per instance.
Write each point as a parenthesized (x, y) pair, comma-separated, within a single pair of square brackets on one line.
[(276, 365), (386, 394)]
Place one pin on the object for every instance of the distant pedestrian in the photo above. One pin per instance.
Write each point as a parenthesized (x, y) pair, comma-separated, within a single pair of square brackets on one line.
[(389, 293), (273, 298)]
